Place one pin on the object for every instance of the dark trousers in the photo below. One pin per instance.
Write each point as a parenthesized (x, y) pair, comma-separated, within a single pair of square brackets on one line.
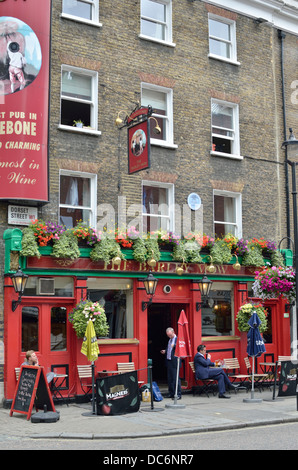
[(172, 375), (221, 377)]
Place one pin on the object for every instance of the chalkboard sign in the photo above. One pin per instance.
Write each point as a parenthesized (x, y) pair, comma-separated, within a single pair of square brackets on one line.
[(32, 389), (287, 379)]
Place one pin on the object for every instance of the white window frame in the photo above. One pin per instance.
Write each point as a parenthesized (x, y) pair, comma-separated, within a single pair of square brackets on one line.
[(235, 140), (93, 194), (93, 102), (232, 42), (95, 14), (171, 203), (238, 210), (168, 119), (168, 24)]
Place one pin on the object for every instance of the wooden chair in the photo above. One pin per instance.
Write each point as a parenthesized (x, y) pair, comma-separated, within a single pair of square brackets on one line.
[(259, 378), (17, 372), (233, 364), (85, 376), (207, 384), (123, 367), (285, 358)]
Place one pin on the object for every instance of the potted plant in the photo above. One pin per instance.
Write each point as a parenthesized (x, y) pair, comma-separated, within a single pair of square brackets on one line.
[(245, 313), (78, 123), (188, 251), (29, 243), (85, 311), (220, 252), (146, 249), (66, 246), (105, 250), (275, 281)]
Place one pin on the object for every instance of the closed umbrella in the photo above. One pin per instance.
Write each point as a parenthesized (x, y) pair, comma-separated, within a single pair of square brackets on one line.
[(183, 349), (90, 349), (255, 346)]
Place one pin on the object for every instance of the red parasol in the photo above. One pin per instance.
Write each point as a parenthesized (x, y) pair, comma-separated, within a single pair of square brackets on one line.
[(183, 348)]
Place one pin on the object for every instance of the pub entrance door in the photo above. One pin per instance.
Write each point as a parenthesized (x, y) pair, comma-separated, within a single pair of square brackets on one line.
[(160, 317), (44, 328)]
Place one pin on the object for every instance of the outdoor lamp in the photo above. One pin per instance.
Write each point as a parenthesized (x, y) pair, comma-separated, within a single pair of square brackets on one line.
[(19, 280), (157, 129), (119, 121), (150, 283), (204, 286)]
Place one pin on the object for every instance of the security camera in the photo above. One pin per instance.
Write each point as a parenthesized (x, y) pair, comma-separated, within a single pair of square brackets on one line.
[(167, 289)]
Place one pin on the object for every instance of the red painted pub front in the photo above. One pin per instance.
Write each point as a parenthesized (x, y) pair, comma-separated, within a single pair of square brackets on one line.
[(54, 287)]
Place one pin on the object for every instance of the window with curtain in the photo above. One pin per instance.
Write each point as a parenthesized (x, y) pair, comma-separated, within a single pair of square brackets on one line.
[(78, 97), (227, 214), (160, 98), (225, 128), (157, 207), (77, 199)]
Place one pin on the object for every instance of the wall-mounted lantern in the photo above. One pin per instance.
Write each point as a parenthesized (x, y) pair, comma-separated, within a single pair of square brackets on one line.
[(150, 284), (204, 286), (19, 280)]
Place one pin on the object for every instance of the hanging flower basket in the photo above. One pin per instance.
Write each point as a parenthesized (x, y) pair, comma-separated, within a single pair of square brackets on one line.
[(85, 311), (245, 313), (273, 282)]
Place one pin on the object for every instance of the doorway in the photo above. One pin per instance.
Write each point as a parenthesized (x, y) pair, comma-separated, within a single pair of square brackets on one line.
[(160, 317)]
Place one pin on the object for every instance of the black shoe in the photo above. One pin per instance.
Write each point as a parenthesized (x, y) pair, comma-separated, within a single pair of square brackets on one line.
[(168, 396), (178, 398), (223, 396), (234, 386)]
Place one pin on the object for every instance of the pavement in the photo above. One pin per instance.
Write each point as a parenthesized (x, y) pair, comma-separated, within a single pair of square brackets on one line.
[(199, 414)]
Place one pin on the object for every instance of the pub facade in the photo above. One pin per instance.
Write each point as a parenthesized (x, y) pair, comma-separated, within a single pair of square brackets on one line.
[(136, 329)]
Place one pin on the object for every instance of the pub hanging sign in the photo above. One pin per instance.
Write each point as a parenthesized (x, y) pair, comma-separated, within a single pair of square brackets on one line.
[(138, 139)]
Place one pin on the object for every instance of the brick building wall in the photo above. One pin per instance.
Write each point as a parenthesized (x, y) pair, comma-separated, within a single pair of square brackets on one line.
[(123, 61)]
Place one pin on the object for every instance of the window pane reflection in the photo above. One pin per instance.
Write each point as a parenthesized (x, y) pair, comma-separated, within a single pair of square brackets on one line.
[(58, 329), (30, 320), (217, 314)]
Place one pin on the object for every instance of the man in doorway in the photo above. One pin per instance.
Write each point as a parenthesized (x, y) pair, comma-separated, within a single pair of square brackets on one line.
[(172, 364)]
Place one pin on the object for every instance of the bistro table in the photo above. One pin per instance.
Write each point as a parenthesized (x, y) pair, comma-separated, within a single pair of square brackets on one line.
[(270, 368), (106, 373), (57, 384)]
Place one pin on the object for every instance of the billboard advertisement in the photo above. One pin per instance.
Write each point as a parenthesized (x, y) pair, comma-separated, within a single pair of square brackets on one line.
[(24, 99)]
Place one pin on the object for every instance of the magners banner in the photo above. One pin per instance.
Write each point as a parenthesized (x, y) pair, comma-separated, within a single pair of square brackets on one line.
[(118, 394), (24, 99)]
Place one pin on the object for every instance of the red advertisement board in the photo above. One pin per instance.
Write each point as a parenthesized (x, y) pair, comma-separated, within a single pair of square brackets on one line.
[(24, 99)]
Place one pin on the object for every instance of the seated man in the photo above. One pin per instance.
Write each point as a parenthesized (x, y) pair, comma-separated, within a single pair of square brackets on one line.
[(32, 360), (203, 371)]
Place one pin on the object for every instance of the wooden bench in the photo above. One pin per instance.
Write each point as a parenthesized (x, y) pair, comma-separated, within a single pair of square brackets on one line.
[(85, 376), (124, 367), (207, 385)]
